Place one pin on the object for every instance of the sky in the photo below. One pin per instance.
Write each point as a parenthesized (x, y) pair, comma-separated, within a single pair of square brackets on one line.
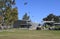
[(37, 9)]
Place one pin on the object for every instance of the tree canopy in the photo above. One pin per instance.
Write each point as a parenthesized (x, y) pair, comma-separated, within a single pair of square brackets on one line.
[(9, 14), (26, 17), (52, 17)]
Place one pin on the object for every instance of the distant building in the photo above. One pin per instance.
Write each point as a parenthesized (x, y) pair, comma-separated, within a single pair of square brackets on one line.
[(51, 25), (57, 24), (25, 24), (21, 24)]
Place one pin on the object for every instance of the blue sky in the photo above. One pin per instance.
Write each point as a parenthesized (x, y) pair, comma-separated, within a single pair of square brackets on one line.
[(38, 9)]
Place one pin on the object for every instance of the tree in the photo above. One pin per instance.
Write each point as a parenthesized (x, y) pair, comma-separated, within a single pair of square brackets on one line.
[(8, 13), (14, 15), (1, 19), (52, 17), (26, 17), (49, 17)]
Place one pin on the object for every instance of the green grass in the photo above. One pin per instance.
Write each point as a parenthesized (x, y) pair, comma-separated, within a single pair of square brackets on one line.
[(29, 34)]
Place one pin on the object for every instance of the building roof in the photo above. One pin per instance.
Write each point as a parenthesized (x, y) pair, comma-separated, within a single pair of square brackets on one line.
[(56, 23), (48, 21)]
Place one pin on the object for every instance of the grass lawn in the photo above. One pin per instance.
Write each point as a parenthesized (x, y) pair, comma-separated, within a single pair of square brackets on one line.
[(29, 34)]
